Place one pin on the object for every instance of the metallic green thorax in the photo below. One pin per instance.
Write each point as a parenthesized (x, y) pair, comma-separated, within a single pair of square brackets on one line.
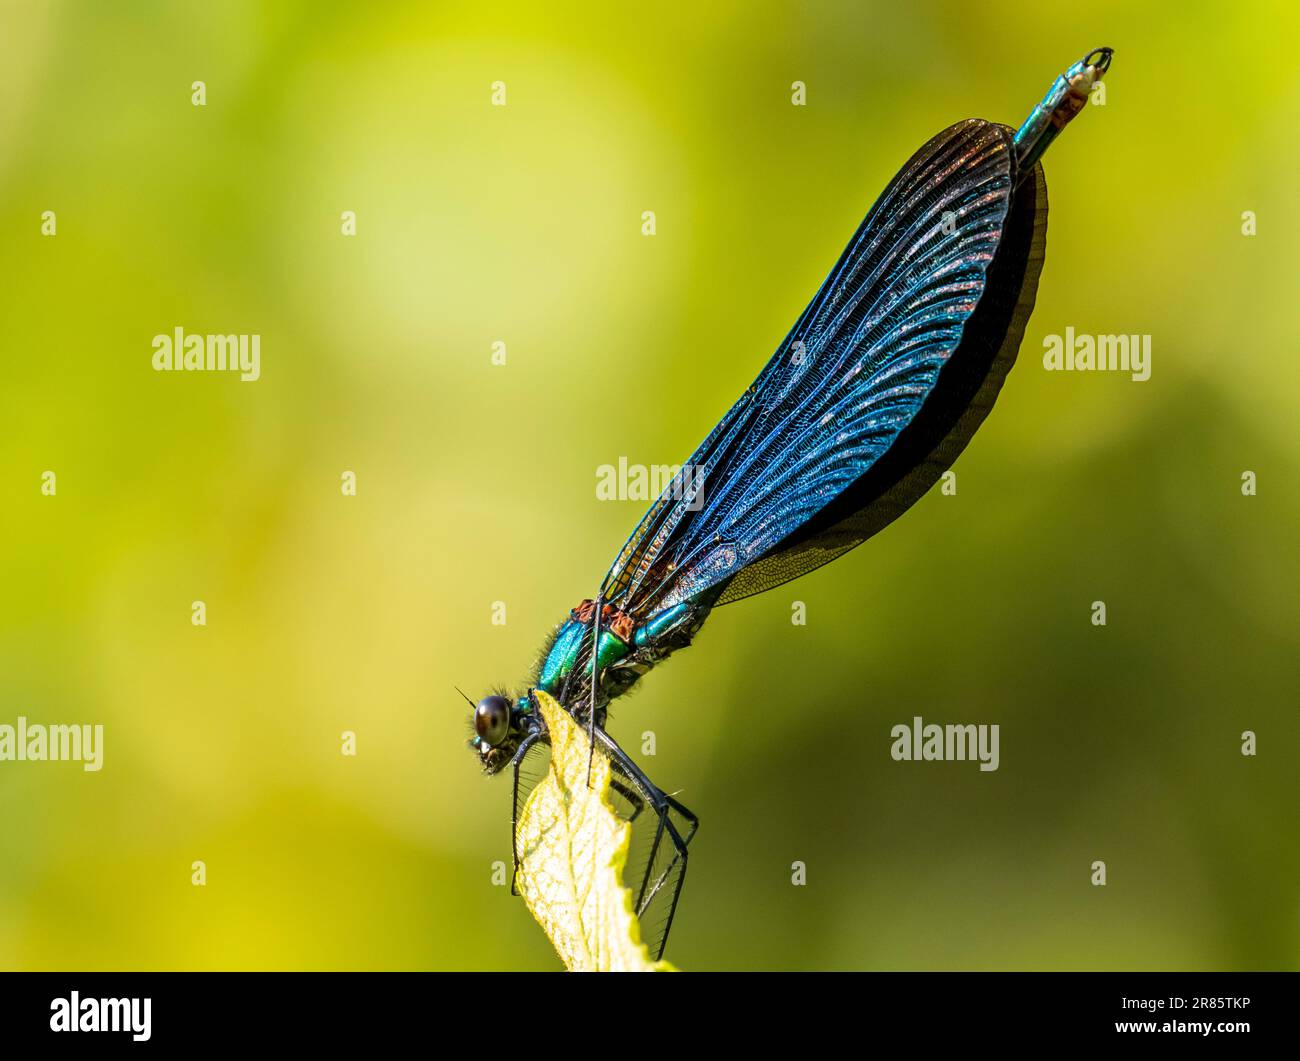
[(563, 656), (653, 640)]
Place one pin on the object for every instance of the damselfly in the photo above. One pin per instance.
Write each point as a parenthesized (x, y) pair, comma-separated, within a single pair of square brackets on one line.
[(874, 393)]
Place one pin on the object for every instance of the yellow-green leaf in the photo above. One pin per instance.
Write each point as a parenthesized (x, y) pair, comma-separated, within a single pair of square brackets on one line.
[(572, 850)]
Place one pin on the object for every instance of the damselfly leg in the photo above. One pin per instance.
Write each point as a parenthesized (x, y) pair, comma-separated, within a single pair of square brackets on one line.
[(525, 784), (656, 866), (635, 802), (660, 863), (595, 683), (528, 744)]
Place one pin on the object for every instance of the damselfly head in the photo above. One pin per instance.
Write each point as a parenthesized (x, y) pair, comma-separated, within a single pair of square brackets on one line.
[(500, 723)]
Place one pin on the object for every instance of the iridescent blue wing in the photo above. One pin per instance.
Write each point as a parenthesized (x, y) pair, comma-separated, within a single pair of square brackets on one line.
[(875, 391)]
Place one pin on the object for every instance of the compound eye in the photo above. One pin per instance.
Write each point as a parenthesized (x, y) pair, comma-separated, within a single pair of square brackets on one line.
[(492, 719)]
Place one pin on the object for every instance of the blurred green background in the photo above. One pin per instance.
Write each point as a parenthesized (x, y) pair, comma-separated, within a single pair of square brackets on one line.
[(476, 483)]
